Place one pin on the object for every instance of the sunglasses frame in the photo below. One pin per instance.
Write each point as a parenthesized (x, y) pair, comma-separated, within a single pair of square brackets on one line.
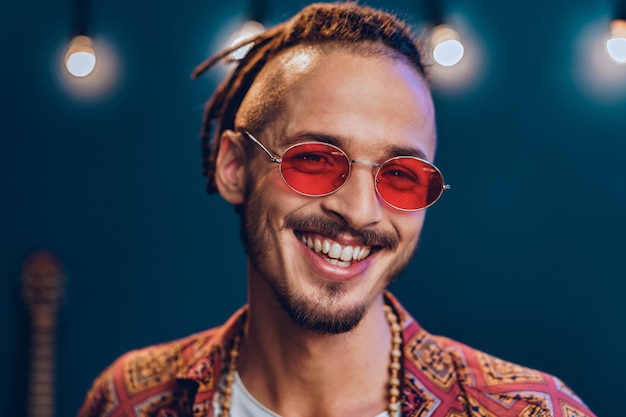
[(278, 160)]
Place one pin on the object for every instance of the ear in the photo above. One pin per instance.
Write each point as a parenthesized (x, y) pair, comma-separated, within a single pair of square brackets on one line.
[(230, 174)]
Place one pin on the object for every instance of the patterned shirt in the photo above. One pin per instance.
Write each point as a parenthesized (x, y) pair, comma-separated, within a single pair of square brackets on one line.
[(441, 378)]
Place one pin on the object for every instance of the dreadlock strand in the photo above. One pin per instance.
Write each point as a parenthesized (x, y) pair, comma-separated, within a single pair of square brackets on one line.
[(222, 107)]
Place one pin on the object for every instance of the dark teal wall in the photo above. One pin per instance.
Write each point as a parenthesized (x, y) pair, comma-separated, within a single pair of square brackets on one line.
[(523, 258)]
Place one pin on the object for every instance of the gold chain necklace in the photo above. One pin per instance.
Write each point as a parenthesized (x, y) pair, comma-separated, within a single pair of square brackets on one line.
[(394, 367)]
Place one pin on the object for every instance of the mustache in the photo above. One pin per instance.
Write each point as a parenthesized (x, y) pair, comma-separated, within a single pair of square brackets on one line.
[(334, 228)]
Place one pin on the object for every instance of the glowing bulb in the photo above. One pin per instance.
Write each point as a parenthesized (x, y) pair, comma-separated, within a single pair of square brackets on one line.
[(80, 59), (617, 49), (80, 64), (249, 30), (448, 53), (616, 45), (447, 47)]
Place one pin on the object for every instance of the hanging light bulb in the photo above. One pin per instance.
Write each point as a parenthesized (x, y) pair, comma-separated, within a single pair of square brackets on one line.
[(446, 44), (247, 31), (80, 59), (616, 45)]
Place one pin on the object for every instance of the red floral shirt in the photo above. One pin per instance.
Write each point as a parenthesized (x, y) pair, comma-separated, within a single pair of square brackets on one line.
[(441, 378)]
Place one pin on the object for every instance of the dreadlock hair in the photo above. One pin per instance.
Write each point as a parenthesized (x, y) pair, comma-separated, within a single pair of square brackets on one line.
[(343, 24)]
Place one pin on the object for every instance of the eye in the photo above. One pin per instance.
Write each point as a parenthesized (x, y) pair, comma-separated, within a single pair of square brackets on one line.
[(398, 176), (314, 159), (311, 161)]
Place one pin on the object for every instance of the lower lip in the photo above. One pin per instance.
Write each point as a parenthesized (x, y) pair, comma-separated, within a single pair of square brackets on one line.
[(335, 272)]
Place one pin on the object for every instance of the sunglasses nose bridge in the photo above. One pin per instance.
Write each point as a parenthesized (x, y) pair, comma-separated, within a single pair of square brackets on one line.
[(360, 161), (374, 165)]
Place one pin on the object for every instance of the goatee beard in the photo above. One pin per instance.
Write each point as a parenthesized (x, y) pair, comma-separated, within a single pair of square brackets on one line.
[(322, 313)]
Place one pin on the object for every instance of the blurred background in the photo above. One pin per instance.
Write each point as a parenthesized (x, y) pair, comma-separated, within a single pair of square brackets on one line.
[(523, 258)]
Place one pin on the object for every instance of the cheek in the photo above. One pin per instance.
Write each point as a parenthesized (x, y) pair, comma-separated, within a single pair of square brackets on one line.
[(273, 198), (264, 177), (268, 201), (409, 227)]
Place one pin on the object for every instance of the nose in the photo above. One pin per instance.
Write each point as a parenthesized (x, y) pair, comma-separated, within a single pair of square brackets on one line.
[(356, 202)]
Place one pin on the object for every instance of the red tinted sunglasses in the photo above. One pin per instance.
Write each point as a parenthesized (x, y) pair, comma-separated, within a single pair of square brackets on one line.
[(317, 169)]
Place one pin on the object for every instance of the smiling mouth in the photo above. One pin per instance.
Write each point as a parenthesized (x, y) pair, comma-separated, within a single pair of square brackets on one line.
[(334, 252)]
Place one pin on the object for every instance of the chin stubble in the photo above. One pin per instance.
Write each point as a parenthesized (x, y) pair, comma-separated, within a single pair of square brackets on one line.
[(323, 314), (320, 315)]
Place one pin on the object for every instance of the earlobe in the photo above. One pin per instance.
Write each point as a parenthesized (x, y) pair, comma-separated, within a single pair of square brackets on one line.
[(230, 168)]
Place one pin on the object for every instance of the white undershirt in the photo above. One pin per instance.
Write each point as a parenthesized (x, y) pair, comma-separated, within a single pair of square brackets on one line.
[(243, 404)]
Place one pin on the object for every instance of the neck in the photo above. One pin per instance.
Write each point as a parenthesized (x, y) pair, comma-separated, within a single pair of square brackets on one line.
[(301, 373)]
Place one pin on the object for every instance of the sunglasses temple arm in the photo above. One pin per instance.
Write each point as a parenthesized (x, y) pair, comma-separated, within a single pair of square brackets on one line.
[(272, 157)]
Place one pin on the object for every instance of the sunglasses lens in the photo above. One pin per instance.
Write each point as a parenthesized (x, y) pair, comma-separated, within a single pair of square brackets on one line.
[(314, 169), (317, 169), (408, 183)]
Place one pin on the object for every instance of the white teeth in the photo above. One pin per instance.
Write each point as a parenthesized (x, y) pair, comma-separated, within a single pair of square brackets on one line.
[(338, 262), (337, 254), (335, 251), (346, 253)]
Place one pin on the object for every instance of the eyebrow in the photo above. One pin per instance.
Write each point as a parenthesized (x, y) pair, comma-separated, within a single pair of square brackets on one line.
[(394, 151), (391, 151), (310, 136)]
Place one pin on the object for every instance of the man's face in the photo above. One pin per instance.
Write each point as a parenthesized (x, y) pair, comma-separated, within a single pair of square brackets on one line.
[(369, 107)]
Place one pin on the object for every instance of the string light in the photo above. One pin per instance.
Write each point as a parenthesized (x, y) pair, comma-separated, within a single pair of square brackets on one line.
[(447, 48), (89, 67), (616, 44), (247, 31), (80, 59)]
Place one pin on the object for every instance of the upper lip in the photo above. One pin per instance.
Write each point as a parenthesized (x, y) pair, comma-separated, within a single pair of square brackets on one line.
[(343, 239), (342, 233)]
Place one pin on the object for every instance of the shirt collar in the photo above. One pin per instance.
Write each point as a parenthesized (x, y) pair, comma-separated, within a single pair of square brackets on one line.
[(209, 357)]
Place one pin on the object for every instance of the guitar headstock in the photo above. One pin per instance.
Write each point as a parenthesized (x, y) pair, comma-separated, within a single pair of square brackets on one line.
[(42, 283)]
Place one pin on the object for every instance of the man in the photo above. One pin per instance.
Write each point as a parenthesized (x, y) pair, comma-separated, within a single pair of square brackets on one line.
[(321, 138)]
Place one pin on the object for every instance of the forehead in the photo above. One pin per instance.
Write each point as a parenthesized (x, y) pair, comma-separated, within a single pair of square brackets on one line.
[(367, 103)]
